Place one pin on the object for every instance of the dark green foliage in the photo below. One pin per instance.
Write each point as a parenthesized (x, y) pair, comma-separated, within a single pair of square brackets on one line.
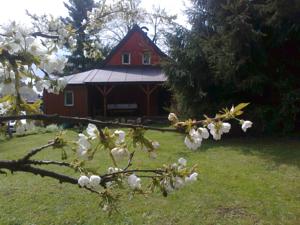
[(239, 51)]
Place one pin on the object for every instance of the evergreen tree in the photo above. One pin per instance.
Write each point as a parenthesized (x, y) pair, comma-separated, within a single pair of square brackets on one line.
[(240, 51), (78, 14)]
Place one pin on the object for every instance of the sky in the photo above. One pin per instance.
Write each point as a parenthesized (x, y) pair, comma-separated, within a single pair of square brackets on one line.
[(15, 9)]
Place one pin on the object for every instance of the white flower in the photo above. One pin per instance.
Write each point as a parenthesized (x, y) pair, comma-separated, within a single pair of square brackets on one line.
[(134, 182), (83, 145), (62, 83), (203, 132), (178, 182), (92, 131), (211, 126), (83, 181), (121, 136), (83, 22), (246, 124), (182, 161), (155, 144), (95, 181), (42, 84), (172, 117), (53, 64), (113, 170), (193, 140), (216, 133), (119, 153), (226, 127), (191, 178)]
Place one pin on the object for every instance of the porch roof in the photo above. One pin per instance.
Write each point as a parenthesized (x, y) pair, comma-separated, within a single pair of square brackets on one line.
[(118, 75)]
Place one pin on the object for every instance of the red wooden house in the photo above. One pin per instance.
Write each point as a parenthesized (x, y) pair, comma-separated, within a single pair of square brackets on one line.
[(130, 83)]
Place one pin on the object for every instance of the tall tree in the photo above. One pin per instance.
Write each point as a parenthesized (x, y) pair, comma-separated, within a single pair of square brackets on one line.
[(78, 15), (240, 51)]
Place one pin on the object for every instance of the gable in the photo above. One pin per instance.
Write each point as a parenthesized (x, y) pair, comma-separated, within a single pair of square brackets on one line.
[(138, 46)]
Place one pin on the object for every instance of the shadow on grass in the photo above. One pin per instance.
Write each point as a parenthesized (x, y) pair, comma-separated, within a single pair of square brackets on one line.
[(279, 150)]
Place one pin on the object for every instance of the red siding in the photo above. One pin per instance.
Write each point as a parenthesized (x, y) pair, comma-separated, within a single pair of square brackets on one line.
[(54, 104), (136, 45)]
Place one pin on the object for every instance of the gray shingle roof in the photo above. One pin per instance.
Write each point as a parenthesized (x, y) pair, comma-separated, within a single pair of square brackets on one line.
[(118, 75)]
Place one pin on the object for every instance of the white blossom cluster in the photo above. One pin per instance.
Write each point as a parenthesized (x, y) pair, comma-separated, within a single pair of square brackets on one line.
[(83, 143), (92, 182), (134, 182), (195, 136), (194, 139), (216, 130), (119, 152), (178, 182), (19, 40)]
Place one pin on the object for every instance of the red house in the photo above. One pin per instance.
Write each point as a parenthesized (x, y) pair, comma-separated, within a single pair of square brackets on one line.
[(130, 83)]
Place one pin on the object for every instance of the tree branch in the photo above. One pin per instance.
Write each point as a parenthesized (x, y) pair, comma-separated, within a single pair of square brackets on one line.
[(40, 34), (48, 162), (74, 120), (36, 150)]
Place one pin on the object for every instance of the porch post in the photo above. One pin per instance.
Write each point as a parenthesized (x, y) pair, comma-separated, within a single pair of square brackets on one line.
[(105, 92), (148, 91)]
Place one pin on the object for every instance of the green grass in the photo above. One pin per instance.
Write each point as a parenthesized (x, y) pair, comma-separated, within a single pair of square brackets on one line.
[(241, 181)]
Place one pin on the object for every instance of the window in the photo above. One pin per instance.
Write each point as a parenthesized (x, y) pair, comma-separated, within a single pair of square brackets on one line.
[(69, 98), (147, 58), (126, 58)]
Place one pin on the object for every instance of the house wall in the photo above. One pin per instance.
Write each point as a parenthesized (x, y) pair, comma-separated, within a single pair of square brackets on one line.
[(54, 104), (136, 45)]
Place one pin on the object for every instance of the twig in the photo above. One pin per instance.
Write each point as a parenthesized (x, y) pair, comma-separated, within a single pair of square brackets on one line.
[(37, 150), (16, 165), (48, 162), (109, 175), (19, 166), (129, 161)]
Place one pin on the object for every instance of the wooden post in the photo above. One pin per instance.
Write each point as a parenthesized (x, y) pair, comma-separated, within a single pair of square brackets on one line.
[(105, 92), (148, 91)]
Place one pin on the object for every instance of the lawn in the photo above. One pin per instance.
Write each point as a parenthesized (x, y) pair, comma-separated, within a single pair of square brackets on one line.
[(241, 181)]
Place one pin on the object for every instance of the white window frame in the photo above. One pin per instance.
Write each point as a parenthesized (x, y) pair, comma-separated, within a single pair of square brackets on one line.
[(129, 58), (143, 58), (65, 98)]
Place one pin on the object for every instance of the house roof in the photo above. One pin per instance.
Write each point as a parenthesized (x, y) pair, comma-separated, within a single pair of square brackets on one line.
[(119, 75), (135, 28)]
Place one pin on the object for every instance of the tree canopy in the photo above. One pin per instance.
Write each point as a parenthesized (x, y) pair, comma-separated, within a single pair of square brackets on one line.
[(239, 50)]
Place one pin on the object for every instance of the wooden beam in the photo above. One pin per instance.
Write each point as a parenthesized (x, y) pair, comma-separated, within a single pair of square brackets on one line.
[(148, 90), (105, 92)]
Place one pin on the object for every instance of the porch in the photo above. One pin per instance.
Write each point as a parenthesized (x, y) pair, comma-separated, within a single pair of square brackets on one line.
[(129, 100)]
